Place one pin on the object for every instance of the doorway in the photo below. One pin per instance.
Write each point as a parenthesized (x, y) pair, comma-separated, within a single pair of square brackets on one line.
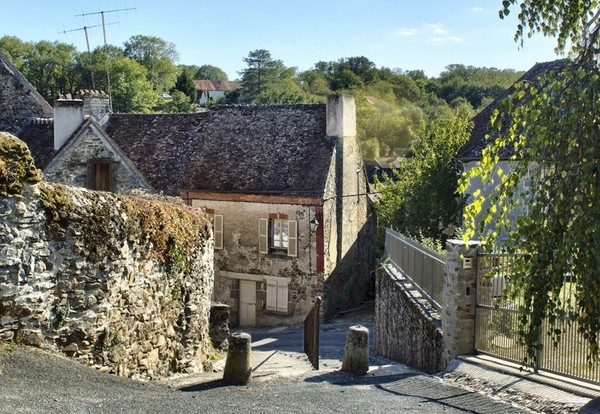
[(247, 303)]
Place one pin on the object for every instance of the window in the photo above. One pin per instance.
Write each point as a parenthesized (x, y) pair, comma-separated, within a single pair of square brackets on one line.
[(100, 177), (278, 235), (217, 223), (277, 293)]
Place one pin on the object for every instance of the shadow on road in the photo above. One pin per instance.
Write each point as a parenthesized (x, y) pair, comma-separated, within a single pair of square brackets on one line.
[(345, 378)]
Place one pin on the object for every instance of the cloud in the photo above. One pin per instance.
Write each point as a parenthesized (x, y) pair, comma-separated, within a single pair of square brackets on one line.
[(437, 28), (477, 9), (406, 31), (439, 34)]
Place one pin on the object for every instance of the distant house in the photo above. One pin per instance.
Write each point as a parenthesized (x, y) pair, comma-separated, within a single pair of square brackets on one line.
[(285, 186), (483, 134), (209, 90)]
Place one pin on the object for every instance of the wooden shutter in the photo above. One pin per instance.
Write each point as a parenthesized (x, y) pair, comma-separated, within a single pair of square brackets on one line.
[(271, 294), (282, 297), (292, 238), (263, 235), (218, 231), (100, 176)]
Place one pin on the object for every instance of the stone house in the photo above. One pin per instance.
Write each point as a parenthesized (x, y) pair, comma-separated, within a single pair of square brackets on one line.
[(210, 90), (284, 185), (482, 134)]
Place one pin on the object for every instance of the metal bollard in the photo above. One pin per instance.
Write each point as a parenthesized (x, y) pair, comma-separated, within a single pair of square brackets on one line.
[(356, 352), (238, 365)]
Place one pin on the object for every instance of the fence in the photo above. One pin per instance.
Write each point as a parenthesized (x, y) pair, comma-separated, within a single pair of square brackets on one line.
[(312, 324), (424, 267), (497, 324)]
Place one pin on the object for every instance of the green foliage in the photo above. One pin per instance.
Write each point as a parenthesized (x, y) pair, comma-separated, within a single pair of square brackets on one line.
[(210, 72), (185, 84), (554, 192), (50, 66), (420, 200), (386, 122), (265, 80), (179, 103), (471, 84), (158, 57), (131, 91), (574, 22), (547, 205)]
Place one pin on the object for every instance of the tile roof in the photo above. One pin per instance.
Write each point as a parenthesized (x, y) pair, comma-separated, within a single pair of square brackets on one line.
[(210, 85), (38, 134), (473, 148), (253, 149), (19, 101)]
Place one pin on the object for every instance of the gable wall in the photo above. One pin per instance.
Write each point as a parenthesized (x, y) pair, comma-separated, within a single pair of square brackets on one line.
[(72, 168), (19, 102)]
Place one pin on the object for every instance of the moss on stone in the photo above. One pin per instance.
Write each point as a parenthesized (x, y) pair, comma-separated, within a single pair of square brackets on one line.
[(16, 165), (58, 205)]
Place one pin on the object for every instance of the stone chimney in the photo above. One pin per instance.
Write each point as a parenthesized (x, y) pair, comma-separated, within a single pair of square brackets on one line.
[(341, 116), (95, 104), (68, 116)]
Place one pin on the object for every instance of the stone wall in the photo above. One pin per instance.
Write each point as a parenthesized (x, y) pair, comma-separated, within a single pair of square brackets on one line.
[(407, 328), (239, 259), (118, 283), (73, 167), (19, 101)]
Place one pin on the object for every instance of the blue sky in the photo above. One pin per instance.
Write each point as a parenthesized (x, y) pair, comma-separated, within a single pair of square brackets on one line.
[(406, 34)]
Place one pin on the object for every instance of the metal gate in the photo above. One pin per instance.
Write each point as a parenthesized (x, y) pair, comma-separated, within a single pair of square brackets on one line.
[(312, 325), (497, 324)]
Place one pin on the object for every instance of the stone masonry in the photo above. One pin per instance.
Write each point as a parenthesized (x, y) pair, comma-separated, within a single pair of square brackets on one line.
[(410, 331), (115, 282)]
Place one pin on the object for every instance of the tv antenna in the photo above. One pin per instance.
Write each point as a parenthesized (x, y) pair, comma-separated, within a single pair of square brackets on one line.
[(102, 13), (85, 29)]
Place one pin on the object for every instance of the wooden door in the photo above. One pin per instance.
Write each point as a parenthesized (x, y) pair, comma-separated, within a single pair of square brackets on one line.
[(247, 303)]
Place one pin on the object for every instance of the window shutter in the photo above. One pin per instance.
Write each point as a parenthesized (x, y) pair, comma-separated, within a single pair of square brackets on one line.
[(218, 231), (271, 294), (263, 235), (292, 238), (282, 297)]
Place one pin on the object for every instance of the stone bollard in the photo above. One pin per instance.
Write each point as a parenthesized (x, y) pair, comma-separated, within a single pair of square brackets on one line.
[(238, 365), (356, 352)]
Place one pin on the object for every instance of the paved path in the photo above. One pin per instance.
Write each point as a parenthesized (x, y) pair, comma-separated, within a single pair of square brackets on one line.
[(283, 382)]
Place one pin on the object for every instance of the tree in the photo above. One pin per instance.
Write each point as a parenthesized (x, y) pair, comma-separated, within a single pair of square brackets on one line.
[(179, 103), (15, 49), (551, 125), (131, 90), (262, 70), (185, 84), (50, 67), (269, 81), (210, 72), (158, 57), (421, 199)]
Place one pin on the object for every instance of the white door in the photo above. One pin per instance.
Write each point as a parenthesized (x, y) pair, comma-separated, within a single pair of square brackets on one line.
[(247, 303)]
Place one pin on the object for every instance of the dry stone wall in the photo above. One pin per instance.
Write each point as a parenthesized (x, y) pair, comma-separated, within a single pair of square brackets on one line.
[(119, 283), (407, 328)]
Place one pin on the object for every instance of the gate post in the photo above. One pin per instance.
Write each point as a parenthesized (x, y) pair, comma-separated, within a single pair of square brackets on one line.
[(458, 298)]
